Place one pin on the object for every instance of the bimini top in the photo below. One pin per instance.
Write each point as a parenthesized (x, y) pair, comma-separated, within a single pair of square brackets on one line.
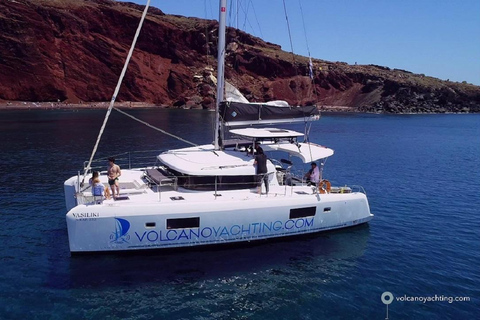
[(285, 140), (266, 133), (306, 151)]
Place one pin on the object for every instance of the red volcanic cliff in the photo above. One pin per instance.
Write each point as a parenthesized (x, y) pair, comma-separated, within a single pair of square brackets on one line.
[(74, 50)]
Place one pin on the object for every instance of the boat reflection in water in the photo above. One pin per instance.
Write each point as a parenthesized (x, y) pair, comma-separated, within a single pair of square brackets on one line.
[(325, 255)]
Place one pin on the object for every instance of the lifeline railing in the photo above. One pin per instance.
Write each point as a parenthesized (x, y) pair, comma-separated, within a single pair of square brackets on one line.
[(287, 177), (358, 188), (126, 160), (216, 186)]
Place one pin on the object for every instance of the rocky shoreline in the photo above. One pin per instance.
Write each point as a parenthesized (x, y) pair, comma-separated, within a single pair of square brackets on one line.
[(27, 105)]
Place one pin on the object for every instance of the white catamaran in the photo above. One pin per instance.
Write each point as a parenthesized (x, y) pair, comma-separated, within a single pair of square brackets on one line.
[(207, 195)]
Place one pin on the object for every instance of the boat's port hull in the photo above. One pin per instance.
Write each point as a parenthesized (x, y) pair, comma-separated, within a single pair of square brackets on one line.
[(119, 226)]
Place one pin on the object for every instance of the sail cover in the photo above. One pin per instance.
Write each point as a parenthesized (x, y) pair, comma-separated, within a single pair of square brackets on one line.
[(238, 114), (233, 94)]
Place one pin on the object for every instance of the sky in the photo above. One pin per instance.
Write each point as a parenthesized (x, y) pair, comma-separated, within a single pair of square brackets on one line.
[(438, 38)]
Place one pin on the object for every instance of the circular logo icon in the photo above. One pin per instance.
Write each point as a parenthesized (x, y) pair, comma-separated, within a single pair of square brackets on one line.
[(387, 297)]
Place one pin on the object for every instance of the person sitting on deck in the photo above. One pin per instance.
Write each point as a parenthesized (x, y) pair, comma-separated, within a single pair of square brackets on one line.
[(98, 189), (313, 175), (95, 174)]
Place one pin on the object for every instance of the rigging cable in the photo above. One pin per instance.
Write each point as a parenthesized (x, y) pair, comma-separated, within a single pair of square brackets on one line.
[(310, 68), (230, 12), (153, 127), (117, 88), (289, 33), (295, 66), (206, 33), (310, 64), (246, 19), (293, 55), (256, 18)]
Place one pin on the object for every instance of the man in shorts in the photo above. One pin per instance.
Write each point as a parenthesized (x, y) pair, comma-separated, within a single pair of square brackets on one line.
[(261, 170), (113, 173)]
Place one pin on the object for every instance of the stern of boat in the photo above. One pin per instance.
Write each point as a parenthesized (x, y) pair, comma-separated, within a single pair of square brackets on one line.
[(70, 190)]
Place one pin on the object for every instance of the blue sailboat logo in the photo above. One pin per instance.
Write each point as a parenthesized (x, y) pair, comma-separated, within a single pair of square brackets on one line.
[(121, 229)]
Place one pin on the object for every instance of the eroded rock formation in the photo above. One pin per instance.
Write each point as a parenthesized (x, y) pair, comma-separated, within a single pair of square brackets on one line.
[(74, 50)]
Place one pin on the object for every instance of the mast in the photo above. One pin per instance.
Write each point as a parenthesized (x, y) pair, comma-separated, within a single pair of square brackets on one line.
[(220, 67)]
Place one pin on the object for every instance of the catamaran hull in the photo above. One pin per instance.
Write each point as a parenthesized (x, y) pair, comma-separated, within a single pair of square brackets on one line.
[(94, 228)]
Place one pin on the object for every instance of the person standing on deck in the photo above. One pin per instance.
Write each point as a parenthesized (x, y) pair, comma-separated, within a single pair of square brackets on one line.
[(255, 150), (262, 171), (257, 147), (113, 173)]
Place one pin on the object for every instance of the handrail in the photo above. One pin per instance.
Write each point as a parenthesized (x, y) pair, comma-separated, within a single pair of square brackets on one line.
[(160, 180), (358, 188), (214, 185), (142, 160), (125, 160)]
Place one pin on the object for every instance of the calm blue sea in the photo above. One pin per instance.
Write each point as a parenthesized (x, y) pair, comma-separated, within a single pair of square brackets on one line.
[(421, 174)]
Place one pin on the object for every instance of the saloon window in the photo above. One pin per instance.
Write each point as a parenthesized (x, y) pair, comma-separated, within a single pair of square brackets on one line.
[(302, 212), (183, 223)]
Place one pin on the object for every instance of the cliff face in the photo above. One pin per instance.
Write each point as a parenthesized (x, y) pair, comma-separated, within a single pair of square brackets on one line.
[(74, 50)]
